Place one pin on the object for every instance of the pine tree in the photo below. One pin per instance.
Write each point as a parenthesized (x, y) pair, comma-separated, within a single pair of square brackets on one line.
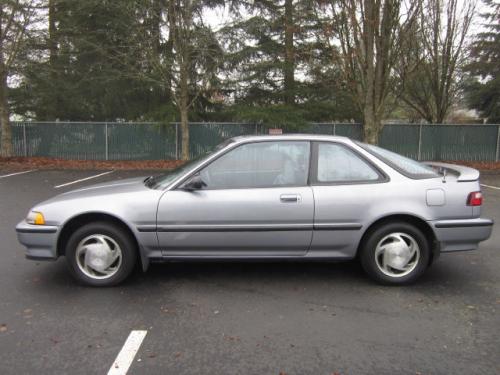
[(278, 67), (90, 64), (483, 90), (16, 18)]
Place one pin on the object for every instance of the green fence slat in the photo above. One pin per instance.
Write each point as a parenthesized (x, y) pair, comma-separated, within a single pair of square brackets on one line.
[(154, 141), (130, 141), (204, 137), (401, 138), (459, 142), (79, 141)]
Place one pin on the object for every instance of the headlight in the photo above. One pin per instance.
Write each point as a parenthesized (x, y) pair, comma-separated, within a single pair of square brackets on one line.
[(35, 218)]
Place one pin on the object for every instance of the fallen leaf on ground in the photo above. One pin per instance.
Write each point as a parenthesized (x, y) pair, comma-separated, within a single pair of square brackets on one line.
[(22, 163)]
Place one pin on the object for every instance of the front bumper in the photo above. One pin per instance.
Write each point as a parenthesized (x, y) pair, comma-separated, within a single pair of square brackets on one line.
[(463, 234), (40, 240)]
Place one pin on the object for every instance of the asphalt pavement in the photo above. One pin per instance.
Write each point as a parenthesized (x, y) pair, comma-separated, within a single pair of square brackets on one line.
[(244, 318)]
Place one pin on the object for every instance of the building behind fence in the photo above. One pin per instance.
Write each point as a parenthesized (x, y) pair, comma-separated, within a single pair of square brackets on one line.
[(153, 141)]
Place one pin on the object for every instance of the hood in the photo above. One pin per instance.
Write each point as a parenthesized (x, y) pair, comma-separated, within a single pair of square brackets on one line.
[(128, 185), (116, 183)]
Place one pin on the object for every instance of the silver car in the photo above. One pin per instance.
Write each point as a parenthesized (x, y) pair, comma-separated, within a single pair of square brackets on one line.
[(294, 197)]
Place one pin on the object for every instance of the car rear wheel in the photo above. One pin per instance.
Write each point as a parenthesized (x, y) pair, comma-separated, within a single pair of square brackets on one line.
[(101, 254), (395, 253)]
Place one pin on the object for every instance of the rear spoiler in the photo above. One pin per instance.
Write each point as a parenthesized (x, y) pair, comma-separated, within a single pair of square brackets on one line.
[(463, 173)]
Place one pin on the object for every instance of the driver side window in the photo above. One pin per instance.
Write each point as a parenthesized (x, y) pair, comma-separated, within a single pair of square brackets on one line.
[(259, 165)]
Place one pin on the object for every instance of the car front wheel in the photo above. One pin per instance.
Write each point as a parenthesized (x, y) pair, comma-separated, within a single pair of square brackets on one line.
[(101, 254), (395, 253)]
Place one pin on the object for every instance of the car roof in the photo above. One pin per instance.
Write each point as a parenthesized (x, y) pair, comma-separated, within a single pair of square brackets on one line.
[(289, 137)]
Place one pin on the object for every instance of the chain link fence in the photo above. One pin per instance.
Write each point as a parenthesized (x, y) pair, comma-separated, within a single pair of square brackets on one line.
[(154, 141)]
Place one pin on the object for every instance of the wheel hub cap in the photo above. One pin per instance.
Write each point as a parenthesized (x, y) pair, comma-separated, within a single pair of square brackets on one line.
[(98, 256), (397, 254)]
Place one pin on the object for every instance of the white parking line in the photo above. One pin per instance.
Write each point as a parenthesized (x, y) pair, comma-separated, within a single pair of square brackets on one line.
[(491, 187), (82, 179), (15, 174), (124, 359)]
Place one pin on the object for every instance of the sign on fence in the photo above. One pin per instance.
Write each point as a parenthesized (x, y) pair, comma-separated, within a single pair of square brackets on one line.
[(275, 131)]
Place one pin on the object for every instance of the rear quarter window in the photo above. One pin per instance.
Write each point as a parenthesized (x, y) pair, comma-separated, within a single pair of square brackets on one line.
[(336, 163)]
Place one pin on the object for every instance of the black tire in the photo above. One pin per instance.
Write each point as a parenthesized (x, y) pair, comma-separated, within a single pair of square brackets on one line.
[(116, 233), (367, 255)]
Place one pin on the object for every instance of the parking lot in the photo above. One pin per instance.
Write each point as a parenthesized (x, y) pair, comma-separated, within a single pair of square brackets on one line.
[(243, 318)]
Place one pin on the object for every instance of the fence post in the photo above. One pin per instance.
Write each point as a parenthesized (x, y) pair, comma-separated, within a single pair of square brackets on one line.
[(177, 141), (497, 157), (334, 129), (419, 155), (24, 140), (106, 142)]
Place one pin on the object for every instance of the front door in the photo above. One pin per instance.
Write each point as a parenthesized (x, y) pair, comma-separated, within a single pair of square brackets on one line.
[(256, 202)]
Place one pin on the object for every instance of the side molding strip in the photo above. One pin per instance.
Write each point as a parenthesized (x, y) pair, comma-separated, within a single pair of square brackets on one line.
[(147, 228), (36, 230), (249, 228), (233, 228), (337, 226), (462, 225)]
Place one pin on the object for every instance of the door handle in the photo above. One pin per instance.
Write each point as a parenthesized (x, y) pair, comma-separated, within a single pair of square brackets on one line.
[(290, 198)]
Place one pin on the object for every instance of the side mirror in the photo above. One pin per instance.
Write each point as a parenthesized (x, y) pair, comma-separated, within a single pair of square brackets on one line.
[(194, 183)]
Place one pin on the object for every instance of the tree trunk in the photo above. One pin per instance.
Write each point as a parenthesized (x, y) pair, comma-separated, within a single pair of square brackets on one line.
[(161, 93), (52, 34), (184, 107), (169, 50), (156, 13), (371, 126), (441, 114), (51, 112), (184, 133), (6, 130), (289, 68)]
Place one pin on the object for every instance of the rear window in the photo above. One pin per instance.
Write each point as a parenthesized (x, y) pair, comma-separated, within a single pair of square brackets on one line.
[(409, 167)]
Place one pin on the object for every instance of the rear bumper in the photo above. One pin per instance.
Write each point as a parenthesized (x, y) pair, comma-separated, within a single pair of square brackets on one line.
[(40, 240), (461, 235)]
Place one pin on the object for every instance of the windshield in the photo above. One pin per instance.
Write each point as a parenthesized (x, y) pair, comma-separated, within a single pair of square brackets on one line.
[(166, 178), (408, 167)]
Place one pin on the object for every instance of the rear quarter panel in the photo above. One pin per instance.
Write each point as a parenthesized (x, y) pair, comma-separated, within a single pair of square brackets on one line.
[(364, 204)]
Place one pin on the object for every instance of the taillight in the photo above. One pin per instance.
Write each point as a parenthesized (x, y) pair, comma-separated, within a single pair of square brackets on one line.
[(475, 199)]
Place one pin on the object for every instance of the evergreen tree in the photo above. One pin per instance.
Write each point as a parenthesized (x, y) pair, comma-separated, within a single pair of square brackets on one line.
[(483, 89), (276, 65), (16, 21), (90, 66)]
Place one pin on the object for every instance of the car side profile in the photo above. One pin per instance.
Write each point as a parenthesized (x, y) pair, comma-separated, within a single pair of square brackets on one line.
[(293, 197)]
